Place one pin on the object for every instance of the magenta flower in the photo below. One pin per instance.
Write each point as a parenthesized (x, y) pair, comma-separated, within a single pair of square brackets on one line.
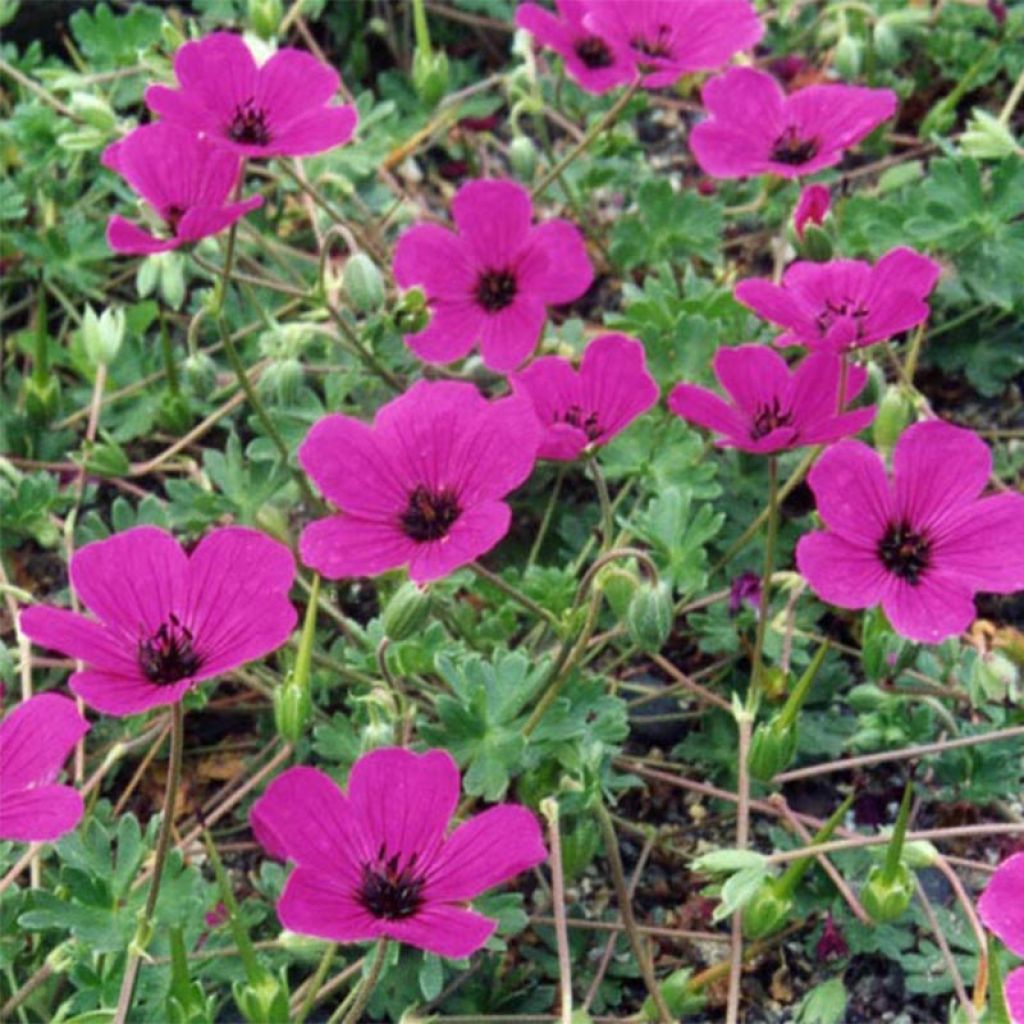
[(668, 39), (845, 304), (578, 410), (921, 543), (490, 281), (1002, 909), (593, 62), (186, 180), (277, 109), (755, 128), (35, 740), (812, 207), (164, 619), (377, 862), (422, 487), (773, 409)]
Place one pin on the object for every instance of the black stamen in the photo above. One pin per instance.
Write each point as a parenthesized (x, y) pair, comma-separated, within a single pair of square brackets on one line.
[(390, 892), (594, 52), (769, 418), (791, 149), (249, 125), (430, 514), (496, 289), (905, 552), (587, 422), (168, 656), (659, 46)]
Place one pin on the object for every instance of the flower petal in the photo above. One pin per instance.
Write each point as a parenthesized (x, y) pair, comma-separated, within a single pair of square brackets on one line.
[(490, 848), (453, 330), (346, 546), (565, 269), (474, 533), (1001, 905), (292, 83), (615, 383), (435, 258), (447, 931), (1014, 988), (984, 545), (494, 218), (939, 606), (41, 814), (36, 738), (754, 375), (126, 237), (319, 904), (120, 695), (203, 221), (852, 492), (77, 637), (316, 132), (508, 337), (706, 409), (839, 572)]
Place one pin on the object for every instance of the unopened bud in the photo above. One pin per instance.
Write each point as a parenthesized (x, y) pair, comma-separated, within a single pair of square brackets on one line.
[(886, 899), (891, 419), (886, 41), (847, 57), (363, 283), (102, 335), (262, 999), (430, 75), (292, 707), (987, 138), (264, 17), (815, 246), (406, 612), (772, 749), (412, 313), (42, 398), (649, 617), (522, 155), (618, 586), (766, 913), (281, 380), (199, 374)]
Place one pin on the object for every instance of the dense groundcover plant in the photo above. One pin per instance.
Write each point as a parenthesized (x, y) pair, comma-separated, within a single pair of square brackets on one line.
[(512, 511)]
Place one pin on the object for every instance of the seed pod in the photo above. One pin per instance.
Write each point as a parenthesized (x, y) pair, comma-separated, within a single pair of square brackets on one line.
[(522, 155), (772, 749), (891, 419), (102, 335), (363, 284), (264, 17), (430, 75), (886, 899), (649, 617), (406, 612), (292, 707)]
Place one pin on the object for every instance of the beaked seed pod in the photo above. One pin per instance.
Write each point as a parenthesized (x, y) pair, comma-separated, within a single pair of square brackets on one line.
[(292, 707), (886, 899), (772, 749)]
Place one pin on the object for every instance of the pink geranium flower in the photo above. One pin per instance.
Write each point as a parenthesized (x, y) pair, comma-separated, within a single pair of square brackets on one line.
[(668, 39), (186, 180), (755, 128), (812, 208), (1002, 909), (164, 619), (35, 740), (490, 281), (773, 409), (845, 304), (422, 487), (277, 109), (595, 63), (377, 862), (921, 543), (578, 410)]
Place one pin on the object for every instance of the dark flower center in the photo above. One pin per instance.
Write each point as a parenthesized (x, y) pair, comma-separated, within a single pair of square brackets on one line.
[(842, 309), (249, 125), (390, 892), (791, 149), (496, 290), (430, 514), (172, 217), (581, 420), (594, 52), (168, 656), (905, 552), (659, 46), (769, 418)]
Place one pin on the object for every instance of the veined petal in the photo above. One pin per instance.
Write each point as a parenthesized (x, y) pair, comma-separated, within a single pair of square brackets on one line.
[(41, 814), (36, 738)]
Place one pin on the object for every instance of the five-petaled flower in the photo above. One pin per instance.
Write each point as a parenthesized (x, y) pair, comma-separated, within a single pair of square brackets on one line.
[(423, 486), (164, 619), (773, 408), (595, 63), (755, 128), (1001, 907), (922, 543), (186, 180), (35, 740), (578, 410), (491, 281), (378, 862), (279, 108), (668, 39), (845, 304)]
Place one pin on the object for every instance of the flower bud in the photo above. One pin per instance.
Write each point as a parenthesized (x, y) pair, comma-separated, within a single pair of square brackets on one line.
[(987, 138), (406, 611), (649, 617), (174, 413), (172, 278), (847, 57), (886, 41), (618, 586), (412, 313), (281, 380), (891, 419), (772, 749), (766, 913), (199, 374), (430, 75), (816, 245), (264, 17), (262, 999), (102, 335), (363, 283), (522, 155), (292, 707), (886, 899), (42, 398), (94, 110)]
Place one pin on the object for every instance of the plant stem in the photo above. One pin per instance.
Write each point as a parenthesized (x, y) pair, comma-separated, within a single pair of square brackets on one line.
[(549, 807), (514, 593), (314, 984), (745, 721), (545, 522), (606, 121), (141, 939), (366, 986), (636, 942), (607, 518), (757, 668)]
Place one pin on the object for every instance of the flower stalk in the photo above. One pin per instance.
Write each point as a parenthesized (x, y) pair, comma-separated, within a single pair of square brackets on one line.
[(771, 532), (366, 986)]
